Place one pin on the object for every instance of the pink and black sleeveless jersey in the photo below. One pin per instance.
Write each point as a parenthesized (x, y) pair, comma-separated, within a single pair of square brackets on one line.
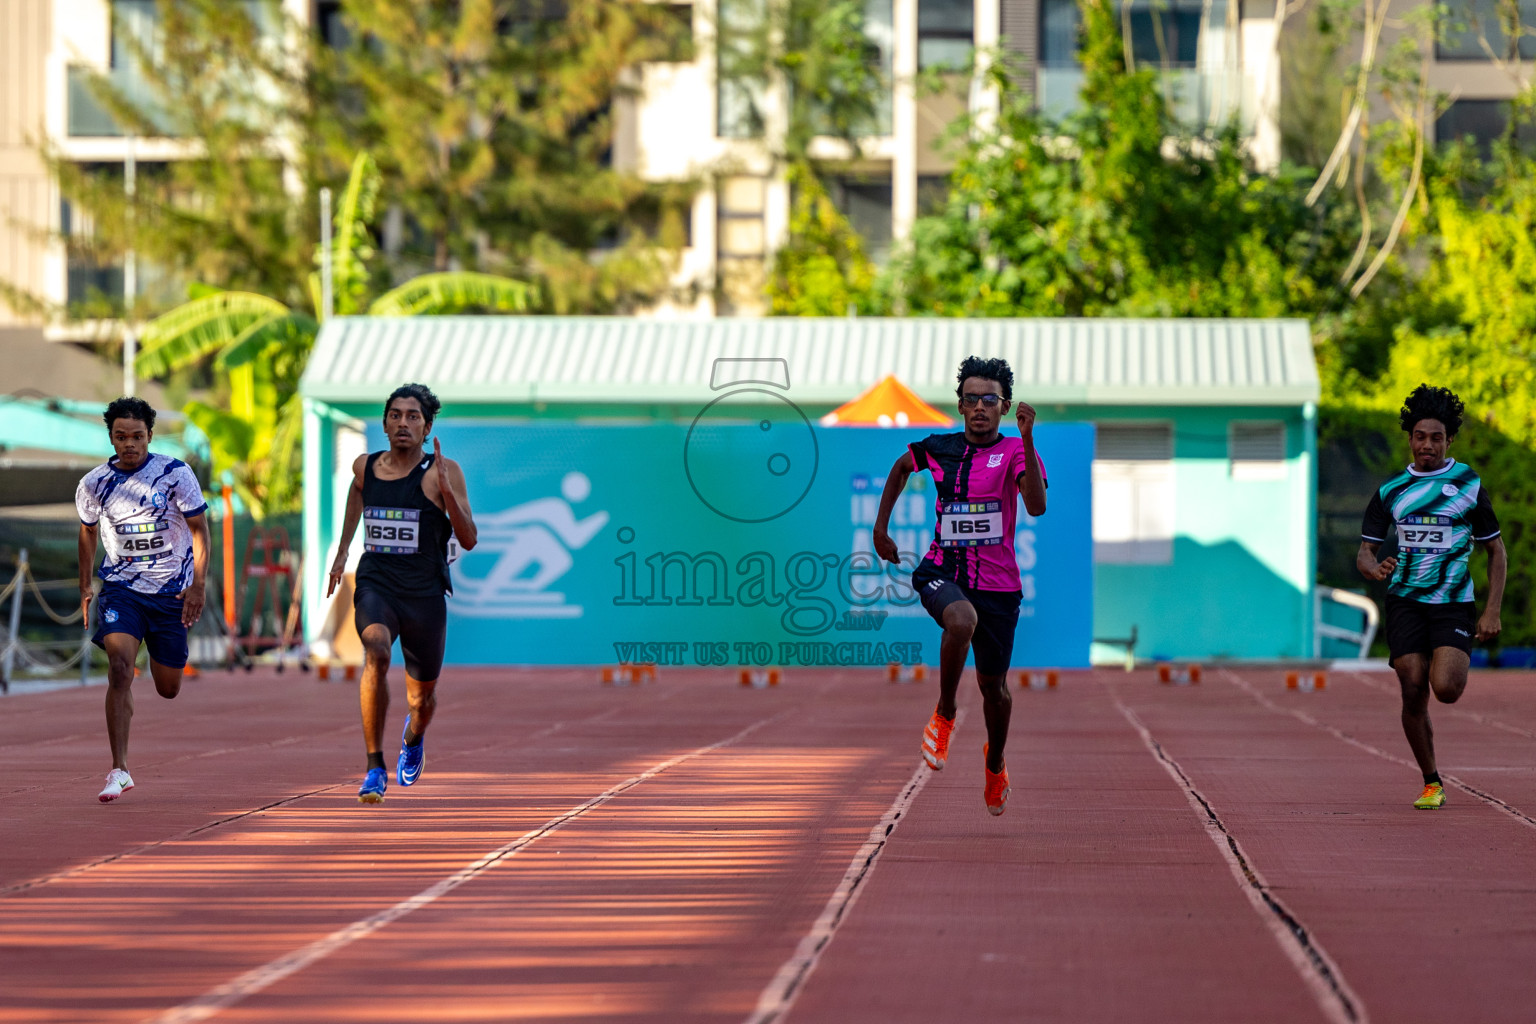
[(977, 508)]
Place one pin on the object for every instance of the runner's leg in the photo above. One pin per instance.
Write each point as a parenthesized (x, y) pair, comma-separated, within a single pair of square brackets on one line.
[(122, 651), (421, 695), (1413, 678), (959, 626), (1448, 673), (997, 707), (373, 690), (167, 679)]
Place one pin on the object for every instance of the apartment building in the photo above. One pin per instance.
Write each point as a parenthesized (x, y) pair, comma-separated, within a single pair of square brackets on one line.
[(47, 48), (685, 121)]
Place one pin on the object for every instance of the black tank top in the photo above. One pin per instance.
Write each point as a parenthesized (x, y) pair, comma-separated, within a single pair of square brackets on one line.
[(405, 536)]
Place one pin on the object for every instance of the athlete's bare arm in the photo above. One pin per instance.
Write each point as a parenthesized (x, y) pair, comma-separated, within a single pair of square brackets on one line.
[(444, 486), (895, 480), (1371, 569), (349, 523), (1031, 483), (192, 598), (1488, 624), (87, 551)]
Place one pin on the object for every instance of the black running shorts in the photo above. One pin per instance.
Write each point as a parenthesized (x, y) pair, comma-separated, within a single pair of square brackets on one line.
[(997, 617), (419, 623), (1415, 627)]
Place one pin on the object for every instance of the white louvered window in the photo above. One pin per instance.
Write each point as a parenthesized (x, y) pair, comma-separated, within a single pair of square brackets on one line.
[(1256, 449), (1133, 494)]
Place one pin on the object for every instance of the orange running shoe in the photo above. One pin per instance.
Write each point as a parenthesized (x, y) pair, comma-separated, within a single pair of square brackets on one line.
[(997, 789), (936, 740)]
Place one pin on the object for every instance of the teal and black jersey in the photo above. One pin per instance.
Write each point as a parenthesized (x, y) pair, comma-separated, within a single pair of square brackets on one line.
[(1438, 517)]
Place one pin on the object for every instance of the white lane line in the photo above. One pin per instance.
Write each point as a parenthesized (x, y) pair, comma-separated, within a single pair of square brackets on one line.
[(1322, 976), (253, 981), (789, 982), (1302, 716)]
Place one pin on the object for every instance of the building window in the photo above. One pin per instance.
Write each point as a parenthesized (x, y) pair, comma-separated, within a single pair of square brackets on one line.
[(1133, 494), (742, 201), (1166, 33), (330, 25), (740, 88), (932, 194), (946, 33), (1484, 122), (1061, 27), (1485, 30), (1256, 450), (673, 32), (866, 202)]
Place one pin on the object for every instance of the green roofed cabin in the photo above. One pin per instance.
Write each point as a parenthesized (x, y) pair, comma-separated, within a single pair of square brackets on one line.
[(1204, 476)]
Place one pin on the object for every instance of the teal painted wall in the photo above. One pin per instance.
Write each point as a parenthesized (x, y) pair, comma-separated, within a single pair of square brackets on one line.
[(1239, 582), (1238, 586)]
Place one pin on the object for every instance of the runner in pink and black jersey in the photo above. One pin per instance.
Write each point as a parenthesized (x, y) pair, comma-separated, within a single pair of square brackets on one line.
[(969, 580)]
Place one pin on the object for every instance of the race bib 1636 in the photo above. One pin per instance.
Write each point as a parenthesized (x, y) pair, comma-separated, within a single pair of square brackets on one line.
[(391, 531)]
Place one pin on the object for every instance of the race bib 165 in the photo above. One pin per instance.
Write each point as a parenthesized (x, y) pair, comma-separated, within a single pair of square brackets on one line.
[(966, 524)]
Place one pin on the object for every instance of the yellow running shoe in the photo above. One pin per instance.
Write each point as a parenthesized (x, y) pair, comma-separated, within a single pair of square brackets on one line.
[(1432, 797), (997, 789), (936, 740)]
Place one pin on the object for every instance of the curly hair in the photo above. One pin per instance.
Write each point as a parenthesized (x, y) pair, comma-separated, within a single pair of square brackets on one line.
[(986, 369), (423, 394), (130, 409), (1427, 403)]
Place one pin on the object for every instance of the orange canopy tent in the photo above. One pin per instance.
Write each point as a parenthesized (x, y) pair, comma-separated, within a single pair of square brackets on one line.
[(889, 403)]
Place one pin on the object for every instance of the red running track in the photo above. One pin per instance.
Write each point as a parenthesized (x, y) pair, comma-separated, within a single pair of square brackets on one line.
[(691, 850)]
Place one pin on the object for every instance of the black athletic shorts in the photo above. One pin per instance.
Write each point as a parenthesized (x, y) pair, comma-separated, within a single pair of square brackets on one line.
[(419, 623), (1415, 627), (997, 616)]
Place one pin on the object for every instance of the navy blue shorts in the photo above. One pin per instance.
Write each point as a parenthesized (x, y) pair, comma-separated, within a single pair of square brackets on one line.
[(997, 616), (154, 619)]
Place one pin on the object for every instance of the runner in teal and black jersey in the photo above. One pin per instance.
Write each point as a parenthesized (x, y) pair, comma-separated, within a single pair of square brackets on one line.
[(1440, 509)]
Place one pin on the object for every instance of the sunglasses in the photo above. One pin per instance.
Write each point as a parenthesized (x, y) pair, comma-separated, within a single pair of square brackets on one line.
[(989, 400)]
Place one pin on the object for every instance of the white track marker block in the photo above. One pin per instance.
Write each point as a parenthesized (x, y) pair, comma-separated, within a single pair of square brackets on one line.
[(759, 678), (898, 673)]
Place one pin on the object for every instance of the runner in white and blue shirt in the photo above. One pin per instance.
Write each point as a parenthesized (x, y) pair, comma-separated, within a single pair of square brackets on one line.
[(147, 510), (1439, 509)]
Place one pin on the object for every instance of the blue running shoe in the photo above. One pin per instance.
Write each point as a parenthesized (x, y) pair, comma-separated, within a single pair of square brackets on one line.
[(408, 769), (374, 785)]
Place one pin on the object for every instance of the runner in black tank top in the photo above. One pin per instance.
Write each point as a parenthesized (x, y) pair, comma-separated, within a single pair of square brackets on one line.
[(410, 504)]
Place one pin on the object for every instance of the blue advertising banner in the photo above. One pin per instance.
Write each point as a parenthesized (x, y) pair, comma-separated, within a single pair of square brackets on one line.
[(742, 538)]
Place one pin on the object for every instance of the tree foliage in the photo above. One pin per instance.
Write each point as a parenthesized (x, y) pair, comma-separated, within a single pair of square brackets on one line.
[(1116, 211), (493, 126)]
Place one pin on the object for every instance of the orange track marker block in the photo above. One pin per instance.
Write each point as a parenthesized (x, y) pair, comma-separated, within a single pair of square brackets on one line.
[(758, 678), (1179, 675), (898, 673), (1306, 681), (1037, 679)]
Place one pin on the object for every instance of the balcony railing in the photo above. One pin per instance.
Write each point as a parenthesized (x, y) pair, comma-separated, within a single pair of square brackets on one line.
[(1197, 97), (90, 118)]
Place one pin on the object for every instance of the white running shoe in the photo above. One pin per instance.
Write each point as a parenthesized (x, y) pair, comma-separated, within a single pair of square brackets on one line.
[(118, 783)]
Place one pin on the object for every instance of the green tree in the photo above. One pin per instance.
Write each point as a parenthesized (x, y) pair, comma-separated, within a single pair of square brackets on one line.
[(1117, 211), (822, 269), (259, 346), (493, 125), (234, 208)]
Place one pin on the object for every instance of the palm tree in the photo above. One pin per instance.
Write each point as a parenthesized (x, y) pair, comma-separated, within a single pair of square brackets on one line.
[(260, 346)]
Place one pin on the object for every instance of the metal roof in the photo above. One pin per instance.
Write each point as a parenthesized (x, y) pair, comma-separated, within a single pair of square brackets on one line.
[(486, 359)]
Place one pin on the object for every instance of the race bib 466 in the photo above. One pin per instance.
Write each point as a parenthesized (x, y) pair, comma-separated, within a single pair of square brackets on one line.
[(965, 524), (391, 531)]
